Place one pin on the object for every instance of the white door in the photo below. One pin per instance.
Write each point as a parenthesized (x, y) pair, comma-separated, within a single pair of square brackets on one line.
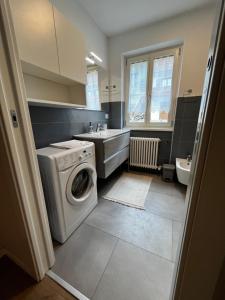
[(19, 143)]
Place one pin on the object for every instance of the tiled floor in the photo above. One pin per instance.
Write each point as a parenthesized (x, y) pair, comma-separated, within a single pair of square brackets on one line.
[(124, 253)]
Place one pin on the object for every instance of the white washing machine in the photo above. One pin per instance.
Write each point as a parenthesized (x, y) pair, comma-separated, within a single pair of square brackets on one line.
[(69, 182)]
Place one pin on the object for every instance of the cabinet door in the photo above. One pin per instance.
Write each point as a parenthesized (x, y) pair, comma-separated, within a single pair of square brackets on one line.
[(35, 33), (71, 49)]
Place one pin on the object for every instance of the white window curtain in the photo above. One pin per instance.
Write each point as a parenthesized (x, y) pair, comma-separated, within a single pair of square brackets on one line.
[(137, 92), (92, 90)]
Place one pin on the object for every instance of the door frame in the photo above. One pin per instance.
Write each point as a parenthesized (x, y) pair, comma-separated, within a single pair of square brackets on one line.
[(20, 146), (20, 141), (202, 253)]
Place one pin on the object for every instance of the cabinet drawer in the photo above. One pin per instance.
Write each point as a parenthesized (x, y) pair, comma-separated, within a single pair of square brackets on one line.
[(115, 161), (115, 144)]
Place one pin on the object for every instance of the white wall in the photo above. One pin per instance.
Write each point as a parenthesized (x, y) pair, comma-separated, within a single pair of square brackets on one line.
[(39, 88), (95, 39), (193, 28), (43, 89)]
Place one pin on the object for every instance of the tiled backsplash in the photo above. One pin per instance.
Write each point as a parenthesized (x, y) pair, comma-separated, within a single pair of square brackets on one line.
[(182, 139), (116, 113), (56, 124), (185, 126)]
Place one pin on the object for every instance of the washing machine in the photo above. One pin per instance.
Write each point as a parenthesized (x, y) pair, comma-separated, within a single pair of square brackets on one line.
[(69, 182)]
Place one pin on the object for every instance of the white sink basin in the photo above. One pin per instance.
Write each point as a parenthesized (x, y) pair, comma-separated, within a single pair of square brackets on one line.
[(104, 134)]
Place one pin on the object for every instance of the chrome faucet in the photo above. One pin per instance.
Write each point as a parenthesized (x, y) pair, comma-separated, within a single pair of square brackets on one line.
[(189, 159), (98, 128)]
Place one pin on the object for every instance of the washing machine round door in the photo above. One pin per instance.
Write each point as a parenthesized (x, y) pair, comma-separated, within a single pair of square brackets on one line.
[(81, 183)]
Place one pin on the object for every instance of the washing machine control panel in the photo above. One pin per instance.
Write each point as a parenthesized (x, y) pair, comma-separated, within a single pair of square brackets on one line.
[(73, 157)]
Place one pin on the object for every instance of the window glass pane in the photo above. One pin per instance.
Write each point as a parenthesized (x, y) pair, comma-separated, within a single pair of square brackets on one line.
[(137, 92), (92, 90), (161, 89)]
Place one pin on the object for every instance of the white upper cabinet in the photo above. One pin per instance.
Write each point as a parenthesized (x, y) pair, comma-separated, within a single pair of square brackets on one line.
[(48, 41), (71, 49), (35, 33)]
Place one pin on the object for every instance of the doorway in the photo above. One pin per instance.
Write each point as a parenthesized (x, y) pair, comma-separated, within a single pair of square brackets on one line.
[(117, 242)]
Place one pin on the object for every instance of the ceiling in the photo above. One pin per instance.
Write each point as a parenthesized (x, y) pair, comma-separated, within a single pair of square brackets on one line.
[(116, 16)]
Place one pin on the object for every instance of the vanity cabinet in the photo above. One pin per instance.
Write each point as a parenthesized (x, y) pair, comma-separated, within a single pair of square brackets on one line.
[(49, 45), (35, 33), (110, 152)]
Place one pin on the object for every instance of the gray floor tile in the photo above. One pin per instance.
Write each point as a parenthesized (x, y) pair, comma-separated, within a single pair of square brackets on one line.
[(168, 188), (179, 190), (150, 232), (177, 231), (160, 186), (108, 223), (105, 185), (138, 227), (133, 273), (81, 261), (166, 205), (112, 208)]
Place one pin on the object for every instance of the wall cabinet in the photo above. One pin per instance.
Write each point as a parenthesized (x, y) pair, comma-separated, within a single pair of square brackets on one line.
[(35, 33), (48, 42), (71, 49)]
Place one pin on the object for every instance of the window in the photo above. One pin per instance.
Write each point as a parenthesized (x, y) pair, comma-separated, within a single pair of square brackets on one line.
[(92, 90), (137, 92), (152, 84)]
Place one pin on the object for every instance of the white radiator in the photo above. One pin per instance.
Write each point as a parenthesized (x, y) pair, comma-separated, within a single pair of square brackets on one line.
[(144, 152)]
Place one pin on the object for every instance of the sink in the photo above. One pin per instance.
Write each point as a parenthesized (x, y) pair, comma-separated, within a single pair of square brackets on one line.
[(104, 134)]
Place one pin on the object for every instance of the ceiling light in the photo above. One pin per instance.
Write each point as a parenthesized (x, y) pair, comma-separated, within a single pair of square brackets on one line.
[(91, 61), (96, 56)]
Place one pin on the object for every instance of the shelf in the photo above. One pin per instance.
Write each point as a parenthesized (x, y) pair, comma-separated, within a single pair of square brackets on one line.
[(38, 102), (36, 71)]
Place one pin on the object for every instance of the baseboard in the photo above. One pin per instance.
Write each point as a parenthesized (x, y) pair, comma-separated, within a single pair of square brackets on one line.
[(69, 288)]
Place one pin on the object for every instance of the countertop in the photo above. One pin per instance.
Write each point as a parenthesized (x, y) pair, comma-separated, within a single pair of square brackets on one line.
[(103, 135)]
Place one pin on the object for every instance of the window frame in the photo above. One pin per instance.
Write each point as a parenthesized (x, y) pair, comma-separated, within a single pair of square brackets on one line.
[(93, 69), (176, 52)]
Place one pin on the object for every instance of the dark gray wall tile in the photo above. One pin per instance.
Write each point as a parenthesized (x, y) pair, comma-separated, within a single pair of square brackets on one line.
[(41, 114), (188, 107), (184, 129), (184, 149), (116, 109), (188, 130), (185, 126), (116, 114), (47, 133), (177, 132), (56, 124), (115, 123), (106, 107), (53, 124)]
